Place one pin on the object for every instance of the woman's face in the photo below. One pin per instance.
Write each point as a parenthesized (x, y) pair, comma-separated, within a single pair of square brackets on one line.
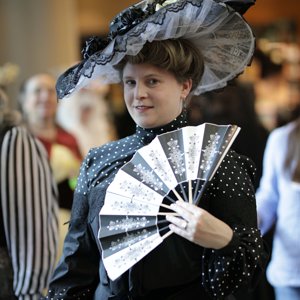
[(152, 95)]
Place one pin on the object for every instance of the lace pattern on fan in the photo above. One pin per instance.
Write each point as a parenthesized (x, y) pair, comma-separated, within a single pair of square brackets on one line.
[(148, 177), (176, 157), (129, 239), (192, 150), (121, 205), (210, 151), (135, 190), (128, 223), (134, 252)]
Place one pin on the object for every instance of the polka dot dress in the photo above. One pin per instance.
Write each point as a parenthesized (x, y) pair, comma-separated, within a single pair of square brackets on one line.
[(176, 262), (101, 164)]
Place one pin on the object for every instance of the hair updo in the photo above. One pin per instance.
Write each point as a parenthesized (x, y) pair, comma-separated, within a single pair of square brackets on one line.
[(178, 56)]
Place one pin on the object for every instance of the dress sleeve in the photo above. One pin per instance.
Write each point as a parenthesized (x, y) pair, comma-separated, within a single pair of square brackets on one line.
[(231, 198), (76, 275), (30, 212)]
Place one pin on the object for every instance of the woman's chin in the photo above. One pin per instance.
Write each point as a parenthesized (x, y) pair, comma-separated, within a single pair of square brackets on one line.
[(147, 124)]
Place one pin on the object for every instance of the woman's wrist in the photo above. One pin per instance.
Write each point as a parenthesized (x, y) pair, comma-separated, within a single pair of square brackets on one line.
[(225, 237)]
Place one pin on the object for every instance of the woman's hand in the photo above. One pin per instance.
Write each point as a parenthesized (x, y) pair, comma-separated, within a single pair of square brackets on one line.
[(199, 226)]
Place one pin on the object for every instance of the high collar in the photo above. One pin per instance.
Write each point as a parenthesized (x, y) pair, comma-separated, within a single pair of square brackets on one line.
[(146, 135)]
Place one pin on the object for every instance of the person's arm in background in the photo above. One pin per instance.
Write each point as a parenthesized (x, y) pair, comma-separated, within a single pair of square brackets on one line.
[(267, 194), (30, 209)]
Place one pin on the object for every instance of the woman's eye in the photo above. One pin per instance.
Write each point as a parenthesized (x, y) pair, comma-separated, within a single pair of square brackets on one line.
[(129, 82), (153, 81)]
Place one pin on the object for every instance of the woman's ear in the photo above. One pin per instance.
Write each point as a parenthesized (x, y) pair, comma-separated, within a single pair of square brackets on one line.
[(186, 87)]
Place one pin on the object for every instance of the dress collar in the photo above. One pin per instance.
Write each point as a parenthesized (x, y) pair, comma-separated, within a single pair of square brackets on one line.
[(146, 135)]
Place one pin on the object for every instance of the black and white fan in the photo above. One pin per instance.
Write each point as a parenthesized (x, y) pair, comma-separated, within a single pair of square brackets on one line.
[(176, 165)]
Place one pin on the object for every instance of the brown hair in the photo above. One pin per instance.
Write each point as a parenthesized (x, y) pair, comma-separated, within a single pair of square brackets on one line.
[(178, 56)]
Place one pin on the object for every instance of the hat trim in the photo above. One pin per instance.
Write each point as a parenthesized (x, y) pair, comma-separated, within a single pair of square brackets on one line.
[(158, 26)]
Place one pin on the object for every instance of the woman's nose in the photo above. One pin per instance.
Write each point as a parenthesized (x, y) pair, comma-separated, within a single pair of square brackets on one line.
[(140, 91)]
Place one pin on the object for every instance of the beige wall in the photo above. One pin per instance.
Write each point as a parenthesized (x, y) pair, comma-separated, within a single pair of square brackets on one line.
[(38, 35), (95, 15)]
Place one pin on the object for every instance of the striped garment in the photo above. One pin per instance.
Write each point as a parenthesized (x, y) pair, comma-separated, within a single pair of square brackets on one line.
[(30, 212)]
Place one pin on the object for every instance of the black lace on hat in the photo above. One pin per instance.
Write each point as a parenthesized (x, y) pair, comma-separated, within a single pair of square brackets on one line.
[(224, 38)]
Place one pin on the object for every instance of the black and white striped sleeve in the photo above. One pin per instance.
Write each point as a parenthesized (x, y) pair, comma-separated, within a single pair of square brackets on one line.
[(30, 212)]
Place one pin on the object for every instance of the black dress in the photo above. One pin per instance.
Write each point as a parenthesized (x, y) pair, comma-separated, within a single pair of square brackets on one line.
[(176, 269)]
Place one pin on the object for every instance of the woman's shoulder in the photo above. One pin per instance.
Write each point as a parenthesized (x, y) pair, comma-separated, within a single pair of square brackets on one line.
[(235, 163), (108, 154), (120, 145), (101, 163), (240, 159)]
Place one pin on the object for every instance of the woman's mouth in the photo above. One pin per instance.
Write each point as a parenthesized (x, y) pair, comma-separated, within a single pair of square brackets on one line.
[(143, 107)]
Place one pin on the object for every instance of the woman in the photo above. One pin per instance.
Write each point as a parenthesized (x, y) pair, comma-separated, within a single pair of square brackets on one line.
[(215, 248), (278, 203), (28, 211)]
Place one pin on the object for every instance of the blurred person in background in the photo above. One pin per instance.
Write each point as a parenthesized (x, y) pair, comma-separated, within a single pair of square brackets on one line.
[(29, 210), (278, 202), (38, 103), (88, 116)]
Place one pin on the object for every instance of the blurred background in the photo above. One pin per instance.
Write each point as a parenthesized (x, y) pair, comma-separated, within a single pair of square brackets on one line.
[(47, 35)]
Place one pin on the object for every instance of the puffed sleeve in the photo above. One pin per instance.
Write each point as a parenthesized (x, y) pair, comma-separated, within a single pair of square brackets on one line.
[(29, 203), (231, 198), (76, 275)]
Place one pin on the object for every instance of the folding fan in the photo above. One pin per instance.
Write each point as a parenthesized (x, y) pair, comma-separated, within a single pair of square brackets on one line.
[(176, 165)]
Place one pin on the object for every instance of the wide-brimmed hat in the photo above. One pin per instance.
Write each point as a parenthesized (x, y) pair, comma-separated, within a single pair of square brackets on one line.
[(220, 32)]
